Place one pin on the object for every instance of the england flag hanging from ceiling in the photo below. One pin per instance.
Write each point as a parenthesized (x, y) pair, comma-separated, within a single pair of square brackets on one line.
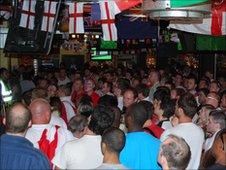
[(28, 14), (76, 21), (108, 11), (50, 8)]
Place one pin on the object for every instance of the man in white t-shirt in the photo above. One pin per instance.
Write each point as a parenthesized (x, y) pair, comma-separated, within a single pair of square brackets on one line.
[(85, 153), (42, 134), (185, 109), (217, 121)]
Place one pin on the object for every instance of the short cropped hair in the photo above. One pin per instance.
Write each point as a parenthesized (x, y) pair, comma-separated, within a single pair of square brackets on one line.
[(138, 113), (177, 152), (17, 122), (219, 117), (77, 123), (188, 103), (115, 139), (143, 89)]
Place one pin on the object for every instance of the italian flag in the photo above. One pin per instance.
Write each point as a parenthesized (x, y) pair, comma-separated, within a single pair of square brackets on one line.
[(215, 25)]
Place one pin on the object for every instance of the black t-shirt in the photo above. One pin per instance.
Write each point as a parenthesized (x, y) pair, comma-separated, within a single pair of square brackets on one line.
[(216, 167)]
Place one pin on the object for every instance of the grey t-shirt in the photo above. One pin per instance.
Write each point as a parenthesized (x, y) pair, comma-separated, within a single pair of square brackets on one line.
[(112, 166)]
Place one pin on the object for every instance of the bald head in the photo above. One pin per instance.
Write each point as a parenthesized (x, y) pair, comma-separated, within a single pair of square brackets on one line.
[(17, 119), (40, 111)]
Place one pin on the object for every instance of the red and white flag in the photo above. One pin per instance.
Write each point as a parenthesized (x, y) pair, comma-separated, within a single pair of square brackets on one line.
[(28, 14), (216, 25), (76, 21), (108, 11), (50, 8)]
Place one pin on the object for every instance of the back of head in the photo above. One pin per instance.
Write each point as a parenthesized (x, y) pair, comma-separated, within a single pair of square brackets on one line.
[(149, 107), (114, 139), (188, 103), (17, 119), (176, 151), (138, 113), (77, 123), (38, 93), (108, 100), (40, 111), (85, 109), (102, 118)]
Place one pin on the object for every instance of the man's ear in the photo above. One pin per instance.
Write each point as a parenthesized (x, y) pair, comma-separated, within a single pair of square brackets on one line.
[(103, 147), (4, 121)]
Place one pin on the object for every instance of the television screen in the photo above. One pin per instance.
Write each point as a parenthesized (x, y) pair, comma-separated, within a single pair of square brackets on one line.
[(100, 55)]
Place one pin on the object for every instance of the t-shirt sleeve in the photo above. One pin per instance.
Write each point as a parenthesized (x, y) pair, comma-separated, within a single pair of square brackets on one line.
[(60, 158)]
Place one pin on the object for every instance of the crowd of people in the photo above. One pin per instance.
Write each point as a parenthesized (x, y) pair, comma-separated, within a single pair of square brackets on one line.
[(112, 118)]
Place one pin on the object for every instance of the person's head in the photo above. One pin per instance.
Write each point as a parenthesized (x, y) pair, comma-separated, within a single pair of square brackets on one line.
[(120, 87), (223, 100), (27, 97), (52, 90), (42, 83), (154, 77), (174, 153), (136, 116), (108, 100), (203, 83), (107, 87), (177, 92), (213, 99), (18, 119), (217, 121), (161, 98), (143, 91), (78, 125), (101, 119), (64, 90), (62, 73), (4, 73), (78, 84), (40, 111), (204, 115), (55, 103), (178, 79), (214, 86), (186, 106), (113, 141), (89, 86), (202, 95), (136, 82), (38, 93), (218, 148), (192, 83), (85, 109), (129, 97)]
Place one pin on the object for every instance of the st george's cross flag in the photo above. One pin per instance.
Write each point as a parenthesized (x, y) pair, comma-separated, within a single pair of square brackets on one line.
[(215, 25), (108, 11), (49, 13), (76, 21), (28, 14)]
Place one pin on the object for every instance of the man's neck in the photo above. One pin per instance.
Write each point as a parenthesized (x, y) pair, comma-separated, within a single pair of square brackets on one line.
[(135, 129), (185, 119), (90, 132), (111, 158), (16, 134)]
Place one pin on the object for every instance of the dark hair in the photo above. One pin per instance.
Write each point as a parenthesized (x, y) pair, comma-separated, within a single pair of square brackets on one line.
[(102, 118), (162, 94), (169, 109), (123, 85), (143, 89), (138, 113), (193, 77), (115, 139), (204, 90), (134, 91), (177, 152), (108, 100), (85, 109), (77, 123), (219, 117), (55, 102), (86, 99), (149, 108), (188, 103), (26, 97), (180, 91), (17, 122), (109, 85)]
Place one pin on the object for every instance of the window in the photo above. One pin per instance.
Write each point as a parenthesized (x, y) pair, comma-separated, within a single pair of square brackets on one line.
[(3, 35)]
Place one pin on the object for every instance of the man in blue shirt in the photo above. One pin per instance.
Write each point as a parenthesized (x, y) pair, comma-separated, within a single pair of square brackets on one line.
[(141, 149), (16, 152)]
